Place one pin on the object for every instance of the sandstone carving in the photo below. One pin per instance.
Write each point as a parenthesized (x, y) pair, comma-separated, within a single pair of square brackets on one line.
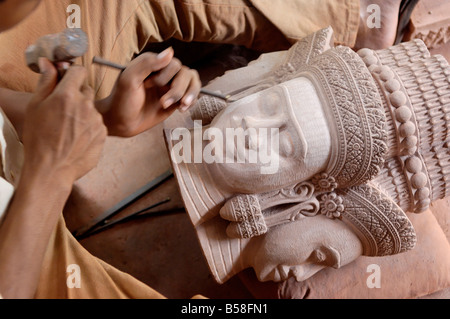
[(354, 142)]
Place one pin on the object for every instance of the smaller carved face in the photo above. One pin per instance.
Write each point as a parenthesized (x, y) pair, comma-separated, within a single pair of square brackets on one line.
[(286, 138), (302, 248)]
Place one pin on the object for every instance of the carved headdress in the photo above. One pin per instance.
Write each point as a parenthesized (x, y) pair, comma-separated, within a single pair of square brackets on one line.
[(415, 89)]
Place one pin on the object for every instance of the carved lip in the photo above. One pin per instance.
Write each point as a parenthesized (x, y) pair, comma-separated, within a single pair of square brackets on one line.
[(300, 272), (282, 272)]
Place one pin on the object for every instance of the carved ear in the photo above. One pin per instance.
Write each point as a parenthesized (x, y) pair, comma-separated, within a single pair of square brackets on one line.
[(289, 195), (241, 208), (247, 212), (207, 108), (245, 215)]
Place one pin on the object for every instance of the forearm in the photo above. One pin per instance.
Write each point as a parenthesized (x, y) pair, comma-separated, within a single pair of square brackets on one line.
[(26, 231), (14, 104)]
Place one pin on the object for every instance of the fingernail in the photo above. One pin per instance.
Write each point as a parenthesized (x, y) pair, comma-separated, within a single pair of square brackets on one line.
[(164, 54), (184, 108), (42, 65), (168, 103), (188, 100)]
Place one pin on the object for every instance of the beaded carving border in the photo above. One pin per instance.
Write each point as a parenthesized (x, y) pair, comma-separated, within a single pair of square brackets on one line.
[(408, 138)]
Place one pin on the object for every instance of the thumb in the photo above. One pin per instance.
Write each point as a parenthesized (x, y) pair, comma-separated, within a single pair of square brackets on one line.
[(47, 81)]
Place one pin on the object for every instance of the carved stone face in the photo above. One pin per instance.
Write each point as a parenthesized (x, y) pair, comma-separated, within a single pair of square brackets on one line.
[(282, 253), (287, 132)]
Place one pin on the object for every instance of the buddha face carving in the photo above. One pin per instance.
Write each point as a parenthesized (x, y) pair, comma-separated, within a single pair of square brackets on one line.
[(285, 128)]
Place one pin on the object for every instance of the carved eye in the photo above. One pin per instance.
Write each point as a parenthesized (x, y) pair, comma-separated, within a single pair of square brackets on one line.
[(286, 145), (269, 104)]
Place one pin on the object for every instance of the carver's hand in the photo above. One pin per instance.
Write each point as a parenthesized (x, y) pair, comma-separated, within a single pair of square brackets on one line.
[(63, 132), (150, 89)]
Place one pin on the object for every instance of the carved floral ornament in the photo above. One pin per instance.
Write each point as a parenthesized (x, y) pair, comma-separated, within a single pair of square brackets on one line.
[(324, 183), (331, 205)]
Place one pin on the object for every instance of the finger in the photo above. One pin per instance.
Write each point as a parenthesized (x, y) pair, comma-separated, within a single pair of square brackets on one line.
[(178, 89), (47, 81), (167, 74), (75, 77), (143, 66), (191, 95), (62, 67)]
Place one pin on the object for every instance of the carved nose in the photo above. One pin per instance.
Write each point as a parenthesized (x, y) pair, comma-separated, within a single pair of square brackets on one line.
[(239, 121)]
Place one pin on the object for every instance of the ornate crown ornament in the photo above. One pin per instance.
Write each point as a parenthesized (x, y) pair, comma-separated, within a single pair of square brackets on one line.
[(383, 227), (415, 89), (357, 115)]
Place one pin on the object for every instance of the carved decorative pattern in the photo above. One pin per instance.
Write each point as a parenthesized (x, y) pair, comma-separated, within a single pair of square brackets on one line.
[(435, 39), (383, 226), (207, 109), (417, 91), (331, 205), (358, 112), (301, 54), (396, 56), (247, 217), (407, 132), (324, 183), (253, 215), (298, 193)]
